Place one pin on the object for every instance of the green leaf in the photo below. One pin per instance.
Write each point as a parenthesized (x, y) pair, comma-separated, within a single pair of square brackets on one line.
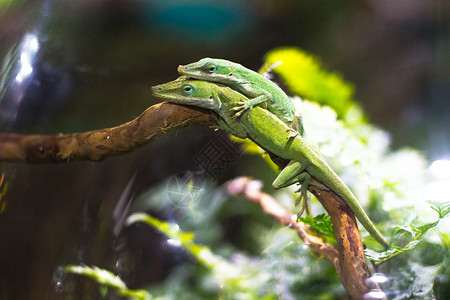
[(320, 224), (107, 279), (304, 75), (232, 278), (415, 230), (442, 208)]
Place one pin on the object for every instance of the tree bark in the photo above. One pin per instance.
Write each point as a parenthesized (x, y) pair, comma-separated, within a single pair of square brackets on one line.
[(100, 144)]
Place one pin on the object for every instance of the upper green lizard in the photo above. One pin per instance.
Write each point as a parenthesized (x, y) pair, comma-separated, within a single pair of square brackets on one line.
[(270, 133), (260, 89)]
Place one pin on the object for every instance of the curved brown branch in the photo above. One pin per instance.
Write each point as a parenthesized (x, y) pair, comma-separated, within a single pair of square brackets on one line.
[(97, 145), (348, 260), (353, 268), (251, 189)]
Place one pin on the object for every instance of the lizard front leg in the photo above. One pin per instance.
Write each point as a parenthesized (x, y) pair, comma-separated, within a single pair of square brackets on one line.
[(244, 105)]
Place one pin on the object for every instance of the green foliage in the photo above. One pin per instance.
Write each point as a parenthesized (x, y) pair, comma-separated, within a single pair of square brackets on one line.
[(106, 279), (391, 184), (184, 239), (321, 224), (283, 270), (415, 231), (412, 281), (304, 76), (5, 4), (443, 209), (234, 279)]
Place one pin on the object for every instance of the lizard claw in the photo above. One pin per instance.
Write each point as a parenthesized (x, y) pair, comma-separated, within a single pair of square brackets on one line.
[(303, 197), (238, 113), (293, 133), (249, 111), (305, 206), (243, 106)]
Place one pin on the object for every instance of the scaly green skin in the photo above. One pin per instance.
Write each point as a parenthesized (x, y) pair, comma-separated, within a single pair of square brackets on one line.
[(259, 89), (269, 132)]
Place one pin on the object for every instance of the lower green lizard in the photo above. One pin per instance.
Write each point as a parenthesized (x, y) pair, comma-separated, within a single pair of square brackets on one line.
[(270, 133)]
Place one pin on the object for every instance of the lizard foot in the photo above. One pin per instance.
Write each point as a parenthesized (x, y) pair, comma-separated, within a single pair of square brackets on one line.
[(292, 133), (242, 109), (305, 207), (305, 201)]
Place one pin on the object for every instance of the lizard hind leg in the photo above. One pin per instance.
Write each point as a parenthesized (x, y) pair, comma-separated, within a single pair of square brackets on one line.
[(304, 194), (304, 199), (291, 174), (305, 180)]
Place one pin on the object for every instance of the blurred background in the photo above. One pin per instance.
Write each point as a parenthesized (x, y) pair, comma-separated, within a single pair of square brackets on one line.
[(73, 66)]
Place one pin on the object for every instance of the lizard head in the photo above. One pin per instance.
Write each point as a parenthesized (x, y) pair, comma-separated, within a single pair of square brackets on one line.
[(211, 69), (189, 91)]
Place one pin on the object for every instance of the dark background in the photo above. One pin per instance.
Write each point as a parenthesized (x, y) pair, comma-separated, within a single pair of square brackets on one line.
[(92, 66)]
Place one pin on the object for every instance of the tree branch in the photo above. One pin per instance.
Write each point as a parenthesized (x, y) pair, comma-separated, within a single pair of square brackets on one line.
[(353, 270), (100, 144), (251, 189)]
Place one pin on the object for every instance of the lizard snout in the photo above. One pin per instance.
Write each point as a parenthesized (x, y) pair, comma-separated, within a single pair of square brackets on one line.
[(156, 89), (180, 69)]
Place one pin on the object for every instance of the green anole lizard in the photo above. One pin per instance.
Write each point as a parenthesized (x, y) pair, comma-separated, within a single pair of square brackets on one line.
[(261, 90), (270, 133)]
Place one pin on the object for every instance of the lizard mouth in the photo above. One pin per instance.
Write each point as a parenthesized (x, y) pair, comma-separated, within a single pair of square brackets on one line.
[(156, 90), (180, 69), (159, 92)]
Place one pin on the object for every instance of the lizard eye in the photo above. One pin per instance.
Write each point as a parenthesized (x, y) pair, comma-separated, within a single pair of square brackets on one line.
[(211, 68), (188, 90)]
